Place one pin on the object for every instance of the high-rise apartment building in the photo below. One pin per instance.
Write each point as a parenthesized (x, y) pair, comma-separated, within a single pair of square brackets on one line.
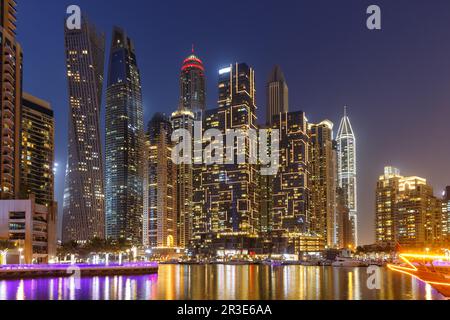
[(343, 224), (162, 186), (347, 171), (37, 150), (10, 101), (277, 94), (407, 212), (125, 143), (184, 119), (291, 189), (323, 181), (230, 191), (84, 206)]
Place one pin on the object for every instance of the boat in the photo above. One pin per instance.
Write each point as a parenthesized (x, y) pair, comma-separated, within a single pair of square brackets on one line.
[(170, 261), (325, 263), (272, 262), (348, 262), (431, 269)]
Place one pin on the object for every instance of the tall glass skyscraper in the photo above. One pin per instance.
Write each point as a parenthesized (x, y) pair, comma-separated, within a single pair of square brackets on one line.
[(347, 179), (124, 143), (84, 207)]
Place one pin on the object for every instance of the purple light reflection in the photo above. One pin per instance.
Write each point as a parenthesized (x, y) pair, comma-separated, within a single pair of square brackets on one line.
[(81, 266)]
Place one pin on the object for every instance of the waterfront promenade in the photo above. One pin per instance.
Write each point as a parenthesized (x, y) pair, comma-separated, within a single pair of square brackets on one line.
[(81, 270)]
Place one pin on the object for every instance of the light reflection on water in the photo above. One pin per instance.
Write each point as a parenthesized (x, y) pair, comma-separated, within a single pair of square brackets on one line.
[(175, 282)]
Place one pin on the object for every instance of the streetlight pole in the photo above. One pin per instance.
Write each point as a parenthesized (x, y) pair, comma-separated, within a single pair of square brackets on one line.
[(20, 255), (4, 255)]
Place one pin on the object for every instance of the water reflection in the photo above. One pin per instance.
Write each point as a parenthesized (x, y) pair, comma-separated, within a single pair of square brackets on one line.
[(224, 282)]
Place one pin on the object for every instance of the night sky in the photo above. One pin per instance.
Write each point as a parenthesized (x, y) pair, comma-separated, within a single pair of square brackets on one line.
[(395, 81)]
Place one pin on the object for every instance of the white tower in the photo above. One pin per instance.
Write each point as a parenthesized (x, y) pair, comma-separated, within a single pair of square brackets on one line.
[(347, 179)]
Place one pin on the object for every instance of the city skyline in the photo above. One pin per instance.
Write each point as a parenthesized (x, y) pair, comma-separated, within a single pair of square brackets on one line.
[(405, 161)]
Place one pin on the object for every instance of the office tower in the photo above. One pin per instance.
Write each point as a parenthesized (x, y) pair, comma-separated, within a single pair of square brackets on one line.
[(124, 143), (162, 182), (277, 94), (291, 188), (84, 206), (37, 152), (407, 212), (230, 191), (347, 178), (10, 105), (193, 85), (343, 225), (322, 181), (184, 119)]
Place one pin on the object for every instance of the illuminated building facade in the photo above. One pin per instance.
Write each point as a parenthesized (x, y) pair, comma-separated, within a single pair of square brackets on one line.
[(37, 150), (386, 195), (193, 85), (277, 94), (347, 174), (343, 224), (31, 227), (407, 212), (184, 119), (230, 191), (323, 181), (162, 188), (84, 206), (446, 211), (125, 143), (291, 188), (10, 101)]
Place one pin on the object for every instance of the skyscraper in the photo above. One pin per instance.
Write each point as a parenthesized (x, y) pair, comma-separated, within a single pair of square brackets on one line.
[(191, 108), (344, 237), (230, 191), (84, 206), (277, 94), (386, 196), (184, 119), (323, 181), (124, 142), (193, 85), (37, 151), (10, 101), (291, 189), (162, 181), (347, 174)]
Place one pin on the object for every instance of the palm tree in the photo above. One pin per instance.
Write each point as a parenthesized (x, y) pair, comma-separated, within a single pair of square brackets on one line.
[(5, 246)]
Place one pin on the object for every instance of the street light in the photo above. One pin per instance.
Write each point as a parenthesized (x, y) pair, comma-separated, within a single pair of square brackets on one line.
[(4, 254), (20, 255)]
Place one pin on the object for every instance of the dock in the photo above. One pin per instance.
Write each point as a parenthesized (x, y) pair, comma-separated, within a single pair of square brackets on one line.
[(14, 272)]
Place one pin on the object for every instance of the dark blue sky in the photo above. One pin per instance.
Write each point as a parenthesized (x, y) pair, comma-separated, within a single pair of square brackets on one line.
[(396, 81)]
